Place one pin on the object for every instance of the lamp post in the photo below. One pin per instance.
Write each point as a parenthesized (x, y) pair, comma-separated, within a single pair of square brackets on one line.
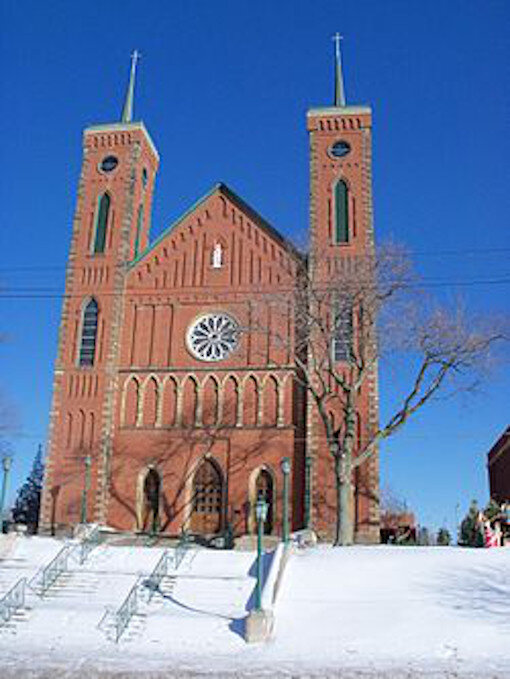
[(285, 465), (86, 488), (6, 465), (308, 488), (261, 514)]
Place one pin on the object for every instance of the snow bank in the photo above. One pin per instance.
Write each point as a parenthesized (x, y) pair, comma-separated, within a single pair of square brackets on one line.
[(378, 611)]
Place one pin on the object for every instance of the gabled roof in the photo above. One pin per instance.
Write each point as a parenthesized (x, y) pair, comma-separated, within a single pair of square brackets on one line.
[(224, 190)]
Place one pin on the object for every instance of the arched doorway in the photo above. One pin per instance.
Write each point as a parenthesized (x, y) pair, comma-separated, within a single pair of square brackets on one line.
[(264, 489), (207, 499), (151, 495)]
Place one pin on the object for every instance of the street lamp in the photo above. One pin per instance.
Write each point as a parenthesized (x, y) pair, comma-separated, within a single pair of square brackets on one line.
[(261, 515), (86, 488), (6, 465), (285, 465)]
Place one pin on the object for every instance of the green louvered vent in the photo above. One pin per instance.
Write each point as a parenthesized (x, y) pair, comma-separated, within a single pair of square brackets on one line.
[(341, 212), (103, 210)]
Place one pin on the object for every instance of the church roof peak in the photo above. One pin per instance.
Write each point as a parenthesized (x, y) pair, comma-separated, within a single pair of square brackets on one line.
[(127, 111)]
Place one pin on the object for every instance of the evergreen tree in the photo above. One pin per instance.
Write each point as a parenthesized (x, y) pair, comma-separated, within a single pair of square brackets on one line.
[(28, 500), (424, 536), (492, 509), (470, 532), (443, 537)]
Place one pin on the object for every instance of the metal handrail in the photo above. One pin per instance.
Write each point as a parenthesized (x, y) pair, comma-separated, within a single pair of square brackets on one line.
[(181, 549), (153, 582), (125, 612), (91, 540), (12, 601), (46, 577)]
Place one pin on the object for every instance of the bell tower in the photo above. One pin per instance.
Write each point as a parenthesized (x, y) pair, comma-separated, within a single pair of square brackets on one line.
[(341, 229), (110, 229), (341, 173)]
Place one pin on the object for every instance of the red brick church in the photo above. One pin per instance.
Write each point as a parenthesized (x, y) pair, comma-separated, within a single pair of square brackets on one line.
[(168, 413)]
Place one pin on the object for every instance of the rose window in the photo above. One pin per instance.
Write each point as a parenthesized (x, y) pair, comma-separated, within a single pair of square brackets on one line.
[(213, 337)]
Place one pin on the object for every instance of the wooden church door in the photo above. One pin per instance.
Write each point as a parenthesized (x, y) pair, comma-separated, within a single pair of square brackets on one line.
[(207, 509)]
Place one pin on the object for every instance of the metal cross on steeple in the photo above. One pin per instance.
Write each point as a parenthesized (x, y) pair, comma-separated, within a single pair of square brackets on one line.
[(127, 111), (339, 79)]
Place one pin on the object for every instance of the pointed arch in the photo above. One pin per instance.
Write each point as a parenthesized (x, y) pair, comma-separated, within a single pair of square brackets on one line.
[(262, 482), (271, 402), (148, 497), (139, 229), (150, 402), (230, 405), (131, 402), (91, 432), (210, 401), (88, 337), (102, 216), (170, 396), (207, 499), (251, 402), (81, 428), (69, 429), (341, 201), (189, 402)]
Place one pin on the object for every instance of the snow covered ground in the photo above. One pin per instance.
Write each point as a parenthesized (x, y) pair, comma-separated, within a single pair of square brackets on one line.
[(354, 612)]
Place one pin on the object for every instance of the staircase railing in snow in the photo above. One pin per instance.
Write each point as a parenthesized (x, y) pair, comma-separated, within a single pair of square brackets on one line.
[(91, 539), (125, 612), (47, 576), (153, 582), (170, 559), (181, 549), (12, 601)]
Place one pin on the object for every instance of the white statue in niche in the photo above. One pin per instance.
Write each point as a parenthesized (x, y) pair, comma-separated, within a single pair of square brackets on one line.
[(217, 256)]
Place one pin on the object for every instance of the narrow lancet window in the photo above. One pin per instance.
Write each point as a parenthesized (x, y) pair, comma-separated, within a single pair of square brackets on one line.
[(103, 210), (139, 226), (341, 212), (343, 333), (89, 334)]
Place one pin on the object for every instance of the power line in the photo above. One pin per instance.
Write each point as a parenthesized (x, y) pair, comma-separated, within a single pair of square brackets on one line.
[(51, 293), (421, 253)]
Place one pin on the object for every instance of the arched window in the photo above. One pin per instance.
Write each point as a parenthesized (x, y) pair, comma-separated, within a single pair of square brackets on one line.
[(264, 491), (151, 494), (341, 212), (103, 210), (343, 331), (139, 226), (89, 334)]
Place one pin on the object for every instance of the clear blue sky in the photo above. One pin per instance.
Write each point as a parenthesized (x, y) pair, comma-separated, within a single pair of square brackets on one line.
[(223, 88)]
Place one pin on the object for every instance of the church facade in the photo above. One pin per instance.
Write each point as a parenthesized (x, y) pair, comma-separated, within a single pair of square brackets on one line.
[(170, 410)]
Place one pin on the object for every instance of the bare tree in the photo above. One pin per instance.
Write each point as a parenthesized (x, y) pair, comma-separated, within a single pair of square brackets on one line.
[(351, 312)]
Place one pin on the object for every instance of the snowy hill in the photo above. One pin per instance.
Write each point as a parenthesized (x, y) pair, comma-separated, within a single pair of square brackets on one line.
[(378, 611)]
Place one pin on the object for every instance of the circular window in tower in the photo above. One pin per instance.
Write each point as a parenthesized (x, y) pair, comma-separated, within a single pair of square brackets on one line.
[(108, 164), (340, 149), (213, 337)]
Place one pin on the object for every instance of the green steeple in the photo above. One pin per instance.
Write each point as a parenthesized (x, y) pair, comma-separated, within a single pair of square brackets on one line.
[(127, 111), (339, 79)]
